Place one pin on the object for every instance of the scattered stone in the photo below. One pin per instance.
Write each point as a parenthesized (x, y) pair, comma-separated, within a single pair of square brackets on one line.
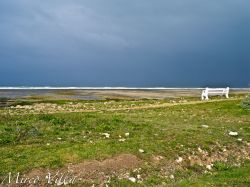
[(138, 176), (132, 179), (48, 144), (158, 158), (205, 126), (107, 135), (237, 164), (141, 151), (179, 160), (239, 139), (171, 176), (127, 134), (59, 138), (122, 140), (209, 167), (200, 150), (231, 133)]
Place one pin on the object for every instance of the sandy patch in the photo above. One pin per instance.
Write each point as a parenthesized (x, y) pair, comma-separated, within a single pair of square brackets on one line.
[(91, 172)]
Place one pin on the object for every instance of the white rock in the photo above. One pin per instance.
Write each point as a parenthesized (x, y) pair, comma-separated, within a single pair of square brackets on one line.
[(200, 150), (132, 179), (171, 176), (48, 144), (59, 138), (122, 140), (239, 139), (127, 134), (209, 167), (141, 150), (179, 160), (231, 133), (205, 126), (138, 176), (107, 135)]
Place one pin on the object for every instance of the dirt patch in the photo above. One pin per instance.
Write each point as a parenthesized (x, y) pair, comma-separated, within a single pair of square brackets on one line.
[(236, 153), (204, 161), (87, 172), (118, 163)]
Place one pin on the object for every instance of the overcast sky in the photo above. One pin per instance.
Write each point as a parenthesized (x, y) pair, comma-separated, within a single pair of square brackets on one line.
[(125, 43)]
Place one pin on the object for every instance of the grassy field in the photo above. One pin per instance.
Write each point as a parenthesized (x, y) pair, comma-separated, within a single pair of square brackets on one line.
[(181, 142)]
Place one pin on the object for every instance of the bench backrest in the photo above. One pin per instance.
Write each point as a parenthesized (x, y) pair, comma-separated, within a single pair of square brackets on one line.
[(217, 90)]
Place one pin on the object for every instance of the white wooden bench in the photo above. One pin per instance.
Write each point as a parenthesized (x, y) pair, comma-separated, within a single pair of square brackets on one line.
[(214, 91)]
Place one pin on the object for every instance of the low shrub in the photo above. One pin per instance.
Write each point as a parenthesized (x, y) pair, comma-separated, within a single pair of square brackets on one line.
[(246, 103)]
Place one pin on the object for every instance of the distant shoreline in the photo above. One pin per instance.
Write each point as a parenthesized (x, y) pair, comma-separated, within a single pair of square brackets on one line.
[(97, 93), (108, 88)]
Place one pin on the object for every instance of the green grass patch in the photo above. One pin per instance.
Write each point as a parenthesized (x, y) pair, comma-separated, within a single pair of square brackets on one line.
[(54, 140)]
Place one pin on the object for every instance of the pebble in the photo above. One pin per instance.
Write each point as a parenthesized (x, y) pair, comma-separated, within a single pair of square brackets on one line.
[(179, 160), (200, 150), (209, 167), (171, 176), (127, 134), (141, 151), (205, 126), (231, 133), (132, 179), (107, 135)]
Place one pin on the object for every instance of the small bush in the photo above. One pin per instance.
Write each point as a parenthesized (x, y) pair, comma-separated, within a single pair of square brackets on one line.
[(246, 103), (53, 119), (220, 166)]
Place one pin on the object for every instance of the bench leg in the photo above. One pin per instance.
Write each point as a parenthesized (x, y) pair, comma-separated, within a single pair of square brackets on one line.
[(204, 96), (227, 96)]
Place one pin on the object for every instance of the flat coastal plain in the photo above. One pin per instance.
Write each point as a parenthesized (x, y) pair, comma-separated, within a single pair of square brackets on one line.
[(124, 138)]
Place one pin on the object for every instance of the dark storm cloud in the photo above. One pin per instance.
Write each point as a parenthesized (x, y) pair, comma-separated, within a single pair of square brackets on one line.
[(125, 43)]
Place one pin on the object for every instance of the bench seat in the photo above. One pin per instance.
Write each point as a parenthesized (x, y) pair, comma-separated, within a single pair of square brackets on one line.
[(214, 91)]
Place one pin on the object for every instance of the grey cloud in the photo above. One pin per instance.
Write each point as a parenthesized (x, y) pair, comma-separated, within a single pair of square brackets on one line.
[(117, 42)]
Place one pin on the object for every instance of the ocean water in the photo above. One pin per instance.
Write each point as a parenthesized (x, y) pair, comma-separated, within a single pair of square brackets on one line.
[(91, 88)]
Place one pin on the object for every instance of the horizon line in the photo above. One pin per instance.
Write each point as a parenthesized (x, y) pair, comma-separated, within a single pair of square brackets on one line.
[(97, 88)]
